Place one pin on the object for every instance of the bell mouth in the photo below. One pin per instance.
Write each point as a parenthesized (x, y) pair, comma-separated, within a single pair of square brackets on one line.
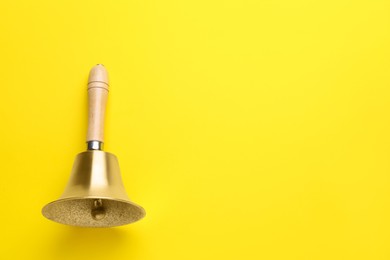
[(93, 212)]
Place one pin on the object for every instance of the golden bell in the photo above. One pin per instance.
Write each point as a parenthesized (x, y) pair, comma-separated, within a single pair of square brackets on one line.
[(95, 195)]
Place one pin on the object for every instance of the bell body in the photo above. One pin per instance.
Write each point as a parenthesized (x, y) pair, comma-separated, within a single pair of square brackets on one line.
[(95, 174), (95, 195)]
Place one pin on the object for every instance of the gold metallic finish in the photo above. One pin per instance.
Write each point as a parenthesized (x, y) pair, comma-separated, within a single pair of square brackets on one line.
[(95, 195)]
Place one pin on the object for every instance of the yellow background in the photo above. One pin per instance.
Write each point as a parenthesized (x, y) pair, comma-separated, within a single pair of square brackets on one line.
[(247, 129)]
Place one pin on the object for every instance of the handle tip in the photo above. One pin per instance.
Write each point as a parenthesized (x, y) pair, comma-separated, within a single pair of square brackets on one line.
[(98, 74)]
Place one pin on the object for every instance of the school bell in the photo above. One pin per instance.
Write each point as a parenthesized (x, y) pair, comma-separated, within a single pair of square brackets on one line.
[(95, 195)]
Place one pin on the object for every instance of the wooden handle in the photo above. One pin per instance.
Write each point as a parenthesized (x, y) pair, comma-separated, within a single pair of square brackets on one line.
[(97, 99)]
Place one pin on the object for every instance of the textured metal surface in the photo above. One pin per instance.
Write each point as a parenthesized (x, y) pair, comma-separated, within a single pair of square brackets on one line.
[(95, 195), (79, 212)]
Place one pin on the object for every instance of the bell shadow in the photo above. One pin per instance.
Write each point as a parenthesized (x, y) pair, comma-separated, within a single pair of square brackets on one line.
[(94, 243)]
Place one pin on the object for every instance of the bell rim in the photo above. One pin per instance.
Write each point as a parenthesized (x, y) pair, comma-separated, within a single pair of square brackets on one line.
[(52, 203)]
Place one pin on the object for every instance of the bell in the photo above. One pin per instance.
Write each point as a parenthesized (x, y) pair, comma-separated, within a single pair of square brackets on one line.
[(95, 195)]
